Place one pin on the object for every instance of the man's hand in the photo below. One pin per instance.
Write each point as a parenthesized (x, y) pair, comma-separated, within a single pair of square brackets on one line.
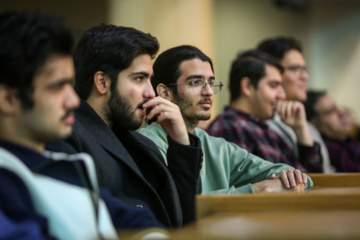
[(291, 178), (293, 114), (287, 181), (169, 117)]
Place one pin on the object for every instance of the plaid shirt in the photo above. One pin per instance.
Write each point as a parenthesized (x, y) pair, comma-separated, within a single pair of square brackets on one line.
[(255, 136)]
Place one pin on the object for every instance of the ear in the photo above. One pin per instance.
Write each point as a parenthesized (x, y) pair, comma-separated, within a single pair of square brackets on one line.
[(101, 83), (164, 91), (246, 86), (9, 102)]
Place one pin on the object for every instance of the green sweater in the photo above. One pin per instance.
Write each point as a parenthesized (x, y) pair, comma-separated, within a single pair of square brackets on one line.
[(227, 168)]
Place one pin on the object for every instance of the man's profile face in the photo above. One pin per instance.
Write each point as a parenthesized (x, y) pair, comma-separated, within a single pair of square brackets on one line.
[(294, 76), (54, 98), (332, 121), (132, 90), (194, 105), (269, 90)]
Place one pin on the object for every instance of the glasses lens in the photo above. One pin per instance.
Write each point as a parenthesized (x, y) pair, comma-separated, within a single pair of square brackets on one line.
[(216, 87), (200, 85)]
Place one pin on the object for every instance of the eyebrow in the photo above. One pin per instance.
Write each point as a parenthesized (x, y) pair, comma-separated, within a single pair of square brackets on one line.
[(197, 76), (146, 74)]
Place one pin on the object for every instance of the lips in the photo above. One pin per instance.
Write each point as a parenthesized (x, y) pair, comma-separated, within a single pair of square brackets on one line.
[(69, 119)]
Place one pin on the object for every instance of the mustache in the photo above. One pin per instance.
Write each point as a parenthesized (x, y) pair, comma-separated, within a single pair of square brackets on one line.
[(68, 113), (205, 100), (143, 102)]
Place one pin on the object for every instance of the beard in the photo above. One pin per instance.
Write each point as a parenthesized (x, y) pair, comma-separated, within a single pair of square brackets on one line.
[(190, 117), (120, 113)]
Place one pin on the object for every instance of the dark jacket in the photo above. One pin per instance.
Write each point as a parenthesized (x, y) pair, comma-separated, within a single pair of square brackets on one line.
[(168, 191)]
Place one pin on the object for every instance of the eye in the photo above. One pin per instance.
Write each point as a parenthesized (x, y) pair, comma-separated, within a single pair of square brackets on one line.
[(197, 82), (139, 78)]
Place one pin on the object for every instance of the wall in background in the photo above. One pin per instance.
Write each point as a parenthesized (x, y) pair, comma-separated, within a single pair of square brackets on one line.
[(329, 31)]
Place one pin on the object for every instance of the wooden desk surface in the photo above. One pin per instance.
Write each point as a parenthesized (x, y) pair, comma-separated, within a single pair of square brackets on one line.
[(335, 180), (330, 211), (275, 225)]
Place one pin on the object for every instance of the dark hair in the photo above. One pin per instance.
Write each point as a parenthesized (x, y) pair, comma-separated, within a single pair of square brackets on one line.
[(249, 64), (312, 98), (278, 46), (167, 64), (110, 49), (27, 40)]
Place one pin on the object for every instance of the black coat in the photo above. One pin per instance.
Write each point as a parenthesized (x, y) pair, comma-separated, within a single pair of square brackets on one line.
[(168, 191)]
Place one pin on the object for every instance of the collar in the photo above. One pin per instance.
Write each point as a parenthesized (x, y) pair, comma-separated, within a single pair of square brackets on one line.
[(28, 156)]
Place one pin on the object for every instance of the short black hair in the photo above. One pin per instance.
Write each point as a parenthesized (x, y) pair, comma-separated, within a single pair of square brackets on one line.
[(249, 64), (27, 40), (278, 46), (312, 99), (110, 49), (167, 65)]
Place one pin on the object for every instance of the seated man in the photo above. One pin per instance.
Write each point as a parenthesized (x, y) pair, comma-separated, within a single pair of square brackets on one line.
[(43, 194), (256, 93), (113, 67), (184, 75), (334, 126), (288, 51)]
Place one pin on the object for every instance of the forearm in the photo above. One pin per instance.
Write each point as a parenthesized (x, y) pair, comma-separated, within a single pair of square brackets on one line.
[(303, 135)]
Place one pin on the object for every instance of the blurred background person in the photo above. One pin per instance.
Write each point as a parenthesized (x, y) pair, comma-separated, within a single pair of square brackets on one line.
[(334, 124)]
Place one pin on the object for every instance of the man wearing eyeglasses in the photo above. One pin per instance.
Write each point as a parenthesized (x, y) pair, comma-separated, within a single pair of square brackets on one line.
[(184, 75), (288, 51), (334, 125), (256, 93), (113, 66)]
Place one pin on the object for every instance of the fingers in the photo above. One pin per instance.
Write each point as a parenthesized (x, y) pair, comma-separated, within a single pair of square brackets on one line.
[(159, 106), (291, 178), (284, 178), (273, 176)]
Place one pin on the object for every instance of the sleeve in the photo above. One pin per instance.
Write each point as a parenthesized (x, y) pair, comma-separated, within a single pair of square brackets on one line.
[(246, 169), (184, 163), (128, 217), (18, 217), (310, 157)]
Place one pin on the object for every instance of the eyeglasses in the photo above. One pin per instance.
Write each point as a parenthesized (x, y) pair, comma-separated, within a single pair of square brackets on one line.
[(297, 69), (198, 85)]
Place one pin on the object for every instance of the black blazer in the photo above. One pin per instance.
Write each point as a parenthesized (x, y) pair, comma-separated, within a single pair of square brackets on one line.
[(168, 191)]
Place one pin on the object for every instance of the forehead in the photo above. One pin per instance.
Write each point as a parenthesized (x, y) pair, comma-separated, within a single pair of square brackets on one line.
[(271, 74), (293, 57), (55, 67), (195, 67), (142, 63), (325, 102)]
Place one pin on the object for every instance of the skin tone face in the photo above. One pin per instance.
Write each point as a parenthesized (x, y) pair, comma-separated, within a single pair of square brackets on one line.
[(52, 116), (332, 121), (133, 89), (268, 92), (194, 106), (295, 78)]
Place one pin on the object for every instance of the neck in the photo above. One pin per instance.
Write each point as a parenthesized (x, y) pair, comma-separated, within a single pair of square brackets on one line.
[(100, 107), (190, 125), (243, 105), (13, 137)]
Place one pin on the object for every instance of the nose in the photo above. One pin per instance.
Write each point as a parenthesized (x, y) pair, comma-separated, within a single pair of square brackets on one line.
[(207, 90), (149, 91), (72, 100), (281, 95), (304, 75)]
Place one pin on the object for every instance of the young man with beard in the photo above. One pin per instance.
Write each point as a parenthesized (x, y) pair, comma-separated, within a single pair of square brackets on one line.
[(43, 194), (288, 51), (184, 75), (113, 67), (334, 125), (256, 93)]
